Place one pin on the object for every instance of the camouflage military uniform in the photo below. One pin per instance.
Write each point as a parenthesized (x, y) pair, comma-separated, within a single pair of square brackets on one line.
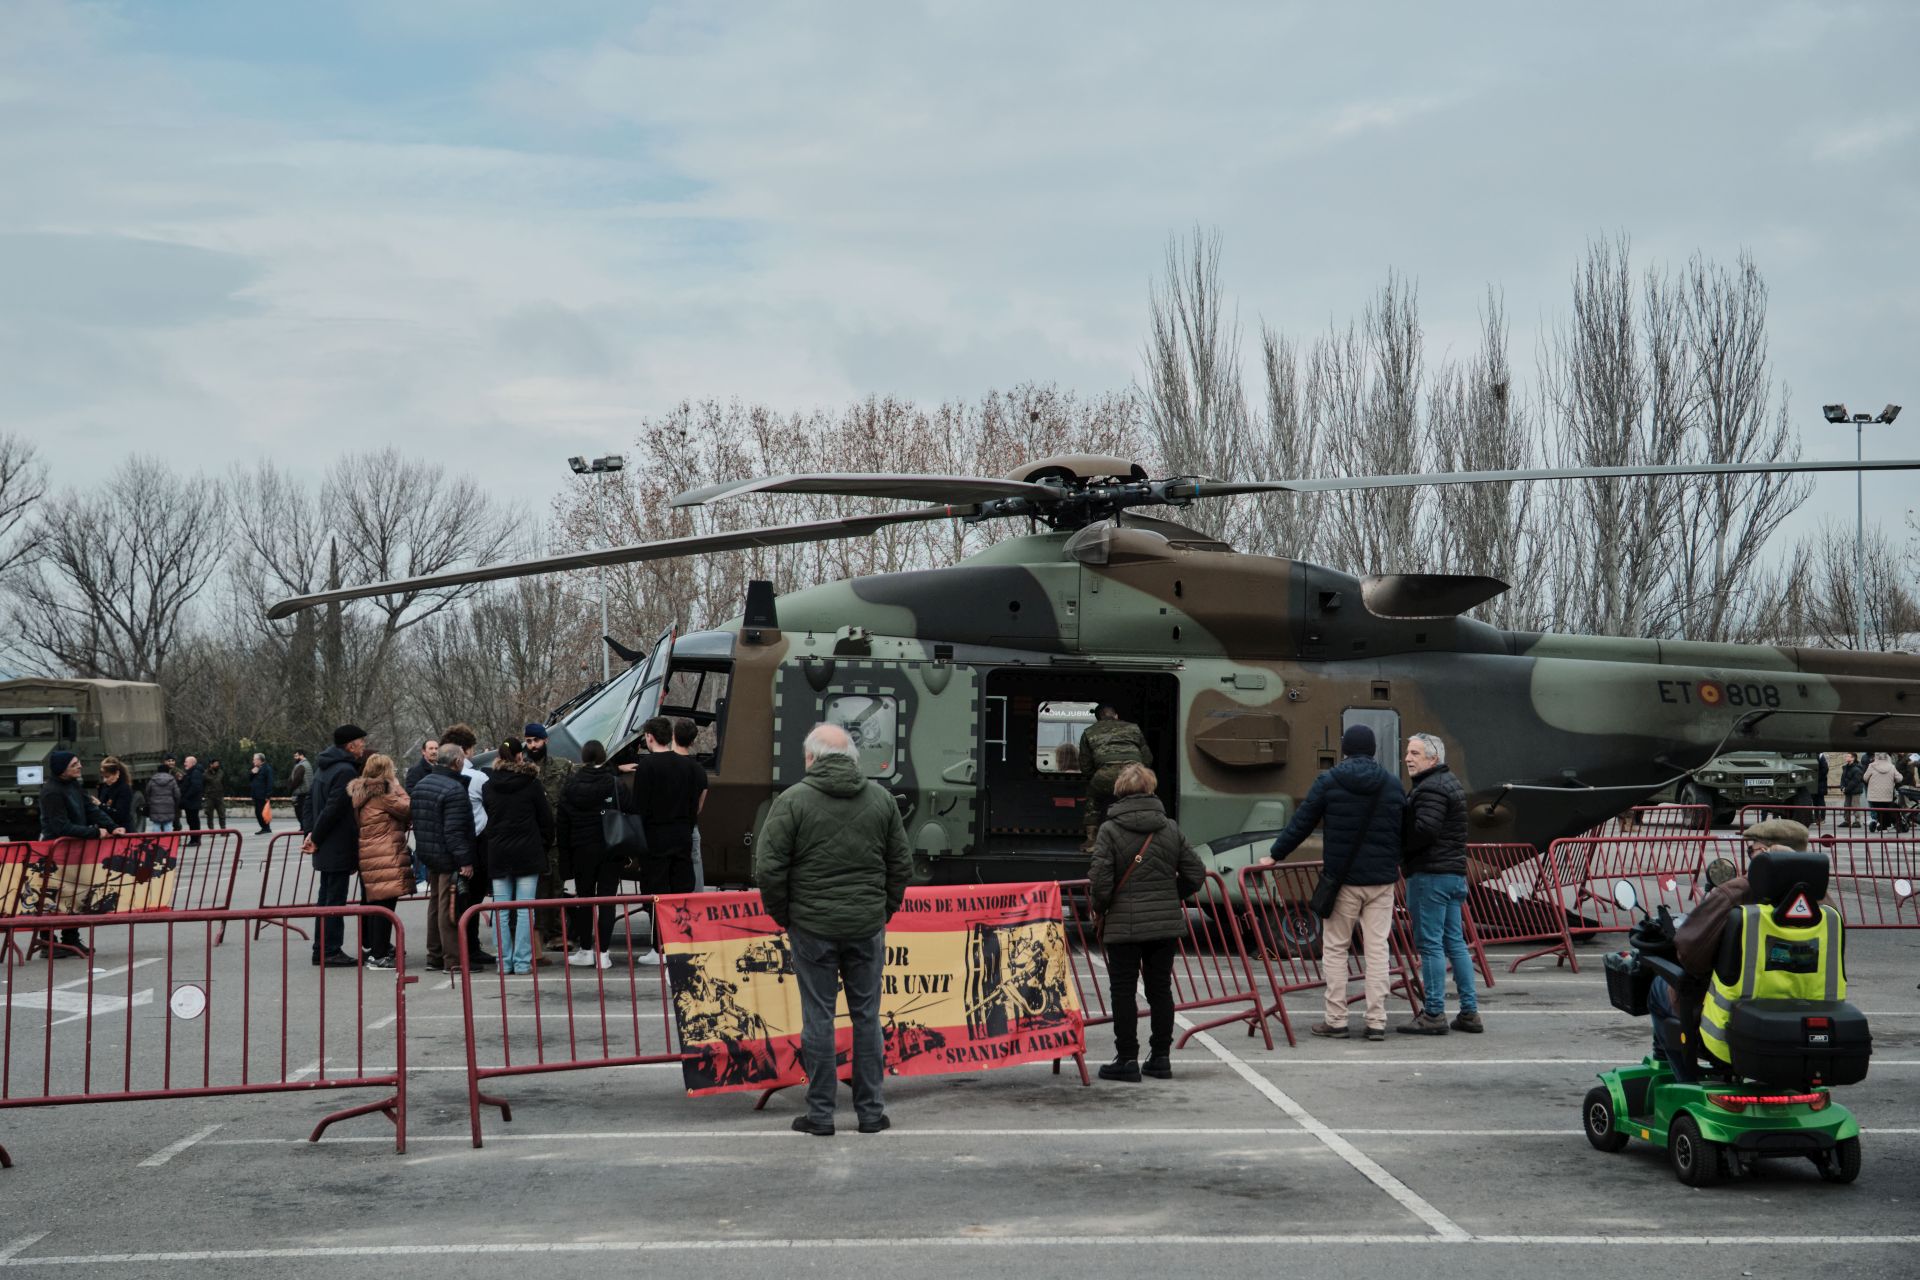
[(1107, 747), (554, 773)]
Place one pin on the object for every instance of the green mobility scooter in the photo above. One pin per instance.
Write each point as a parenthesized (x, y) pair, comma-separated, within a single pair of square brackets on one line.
[(1753, 1080)]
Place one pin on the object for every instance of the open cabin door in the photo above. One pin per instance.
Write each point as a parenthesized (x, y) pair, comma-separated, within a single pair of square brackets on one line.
[(614, 712)]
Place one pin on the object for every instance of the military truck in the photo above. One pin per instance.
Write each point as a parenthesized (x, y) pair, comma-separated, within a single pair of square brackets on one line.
[(1731, 782), (94, 718)]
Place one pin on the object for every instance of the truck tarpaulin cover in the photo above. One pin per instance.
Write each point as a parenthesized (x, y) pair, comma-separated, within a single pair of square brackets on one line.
[(89, 877), (976, 977)]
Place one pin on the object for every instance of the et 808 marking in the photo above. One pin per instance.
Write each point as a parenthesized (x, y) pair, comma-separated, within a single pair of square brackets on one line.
[(1712, 693)]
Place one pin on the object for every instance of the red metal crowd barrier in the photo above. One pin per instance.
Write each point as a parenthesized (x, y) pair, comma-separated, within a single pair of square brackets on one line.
[(1403, 921), (1211, 969), (282, 1027), (1287, 935), (561, 1008), (1665, 871), (1657, 819), (152, 871), (287, 879), (1523, 901), (1833, 819), (1873, 882)]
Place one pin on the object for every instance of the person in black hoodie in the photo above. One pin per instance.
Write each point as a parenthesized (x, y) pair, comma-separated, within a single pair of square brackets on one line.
[(592, 788), (519, 829), (68, 813), (1436, 868), (1142, 871), (334, 841), (1362, 805), (116, 793)]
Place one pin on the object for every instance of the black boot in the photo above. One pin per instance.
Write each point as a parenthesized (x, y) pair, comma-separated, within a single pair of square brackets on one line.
[(71, 945), (1127, 1069), (1157, 1065)]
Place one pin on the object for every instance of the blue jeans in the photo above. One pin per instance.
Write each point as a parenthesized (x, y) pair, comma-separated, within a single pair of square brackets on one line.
[(1435, 902), (162, 826), (513, 930)]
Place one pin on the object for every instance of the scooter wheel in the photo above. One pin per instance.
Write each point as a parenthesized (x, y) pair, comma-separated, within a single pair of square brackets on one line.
[(1842, 1164), (1596, 1115), (1696, 1161)]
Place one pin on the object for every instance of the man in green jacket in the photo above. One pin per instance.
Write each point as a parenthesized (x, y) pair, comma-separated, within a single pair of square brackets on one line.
[(832, 867)]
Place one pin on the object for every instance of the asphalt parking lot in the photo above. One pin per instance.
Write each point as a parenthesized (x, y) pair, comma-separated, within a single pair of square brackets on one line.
[(1459, 1155)]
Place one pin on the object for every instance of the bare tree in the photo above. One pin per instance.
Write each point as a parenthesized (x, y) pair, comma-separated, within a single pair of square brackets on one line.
[(23, 482), (116, 569), (1823, 587), (1370, 384), (1194, 404), (1730, 519)]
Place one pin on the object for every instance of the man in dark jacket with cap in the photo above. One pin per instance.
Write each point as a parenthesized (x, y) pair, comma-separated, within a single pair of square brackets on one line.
[(1436, 870), (335, 838), (1362, 805), (67, 812)]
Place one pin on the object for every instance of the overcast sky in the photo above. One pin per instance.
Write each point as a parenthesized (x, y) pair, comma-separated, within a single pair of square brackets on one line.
[(498, 232)]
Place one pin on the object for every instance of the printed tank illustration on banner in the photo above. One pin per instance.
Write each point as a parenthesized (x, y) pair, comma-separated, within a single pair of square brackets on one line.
[(89, 877), (974, 978)]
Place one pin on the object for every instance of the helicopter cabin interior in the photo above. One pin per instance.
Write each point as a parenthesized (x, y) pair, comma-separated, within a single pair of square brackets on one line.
[(1029, 745)]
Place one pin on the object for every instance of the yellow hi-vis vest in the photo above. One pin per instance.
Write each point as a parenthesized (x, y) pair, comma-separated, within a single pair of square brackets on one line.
[(1777, 962)]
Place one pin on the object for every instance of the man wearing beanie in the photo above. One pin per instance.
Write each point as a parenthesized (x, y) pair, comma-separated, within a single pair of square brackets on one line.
[(1361, 804), (67, 812), (554, 772), (335, 838)]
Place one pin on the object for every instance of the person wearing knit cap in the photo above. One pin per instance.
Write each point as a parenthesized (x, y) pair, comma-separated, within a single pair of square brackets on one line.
[(1362, 805), (334, 841), (67, 812)]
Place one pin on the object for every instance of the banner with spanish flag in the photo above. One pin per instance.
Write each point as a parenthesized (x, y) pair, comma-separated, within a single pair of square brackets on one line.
[(976, 977), (106, 876)]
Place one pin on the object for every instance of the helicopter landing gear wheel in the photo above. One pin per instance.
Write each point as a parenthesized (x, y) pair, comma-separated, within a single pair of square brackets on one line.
[(1696, 1161), (1842, 1164), (1596, 1114)]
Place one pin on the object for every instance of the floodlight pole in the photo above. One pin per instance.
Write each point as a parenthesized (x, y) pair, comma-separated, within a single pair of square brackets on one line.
[(1859, 539)]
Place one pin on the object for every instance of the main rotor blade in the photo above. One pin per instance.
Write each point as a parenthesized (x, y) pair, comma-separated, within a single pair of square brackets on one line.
[(665, 549), (1228, 488), (911, 488)]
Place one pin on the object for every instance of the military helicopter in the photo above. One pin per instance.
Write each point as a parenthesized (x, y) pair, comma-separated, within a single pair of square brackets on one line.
[(1243, 671)]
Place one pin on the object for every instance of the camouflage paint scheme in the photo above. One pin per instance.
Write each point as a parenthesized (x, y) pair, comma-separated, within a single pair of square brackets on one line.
[(1268, 655)]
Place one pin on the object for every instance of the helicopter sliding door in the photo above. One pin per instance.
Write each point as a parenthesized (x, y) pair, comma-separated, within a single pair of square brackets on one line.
[(913, 722), (1030, 739)]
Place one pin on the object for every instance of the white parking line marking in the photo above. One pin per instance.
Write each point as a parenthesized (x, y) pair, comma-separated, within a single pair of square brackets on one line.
[(165, 1154), (465, 1248), (24, 1242), (1444, 1227), (769, 1135)]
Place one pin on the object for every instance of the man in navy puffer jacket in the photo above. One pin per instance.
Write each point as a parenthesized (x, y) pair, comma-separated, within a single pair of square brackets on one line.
[(1361, 805)]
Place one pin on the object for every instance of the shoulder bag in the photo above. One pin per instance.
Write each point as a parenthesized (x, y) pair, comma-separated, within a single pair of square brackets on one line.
[(1327, 892), (1100, 918), (623, 834)]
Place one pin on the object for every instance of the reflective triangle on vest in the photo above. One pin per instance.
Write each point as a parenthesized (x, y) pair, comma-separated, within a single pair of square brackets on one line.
[(1798, 911)]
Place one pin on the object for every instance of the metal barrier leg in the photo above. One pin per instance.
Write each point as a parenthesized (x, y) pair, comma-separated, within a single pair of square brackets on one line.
[(6, 1161), (1080, 1060), (387, 1107), (1564, 950)]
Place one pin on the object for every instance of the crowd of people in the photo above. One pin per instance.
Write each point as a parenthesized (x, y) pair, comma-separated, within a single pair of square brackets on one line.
[(1865, 791), (526, 826)]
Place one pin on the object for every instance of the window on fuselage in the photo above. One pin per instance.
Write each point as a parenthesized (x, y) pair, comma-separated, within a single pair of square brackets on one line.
[(1057, 735), (871, 721)]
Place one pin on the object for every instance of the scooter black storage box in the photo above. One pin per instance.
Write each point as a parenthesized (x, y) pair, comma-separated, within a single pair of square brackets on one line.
[(1799, 1043), (1628, 982)]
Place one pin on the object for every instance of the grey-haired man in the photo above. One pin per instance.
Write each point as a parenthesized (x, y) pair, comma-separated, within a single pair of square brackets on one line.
[(1435, 863)]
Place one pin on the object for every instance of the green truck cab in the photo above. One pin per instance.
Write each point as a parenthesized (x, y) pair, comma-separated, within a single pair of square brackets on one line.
[(1733, 781), (93, 718)]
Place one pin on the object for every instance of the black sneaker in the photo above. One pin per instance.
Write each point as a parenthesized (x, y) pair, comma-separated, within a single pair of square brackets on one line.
[(1376, 1033), (379, 962), (876, 1126), (1157, 1066), (1127, 1069), (802, 1124), (1468, 1022), (436, 966), (338, 960), (481, 959)]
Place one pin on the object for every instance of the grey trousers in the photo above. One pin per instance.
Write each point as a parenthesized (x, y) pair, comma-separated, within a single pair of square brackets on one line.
[(821, 965)]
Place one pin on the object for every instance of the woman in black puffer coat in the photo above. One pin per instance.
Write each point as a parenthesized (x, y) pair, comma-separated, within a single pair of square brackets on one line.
[(1143, 870), (519, 828), (593, 787)]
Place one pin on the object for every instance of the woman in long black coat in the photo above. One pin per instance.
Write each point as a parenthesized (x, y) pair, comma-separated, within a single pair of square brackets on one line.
[(519, 829), (592, 787)]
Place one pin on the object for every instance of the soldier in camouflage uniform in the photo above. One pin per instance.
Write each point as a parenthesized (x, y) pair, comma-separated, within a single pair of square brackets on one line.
[(1109, 745), (554, 772)]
